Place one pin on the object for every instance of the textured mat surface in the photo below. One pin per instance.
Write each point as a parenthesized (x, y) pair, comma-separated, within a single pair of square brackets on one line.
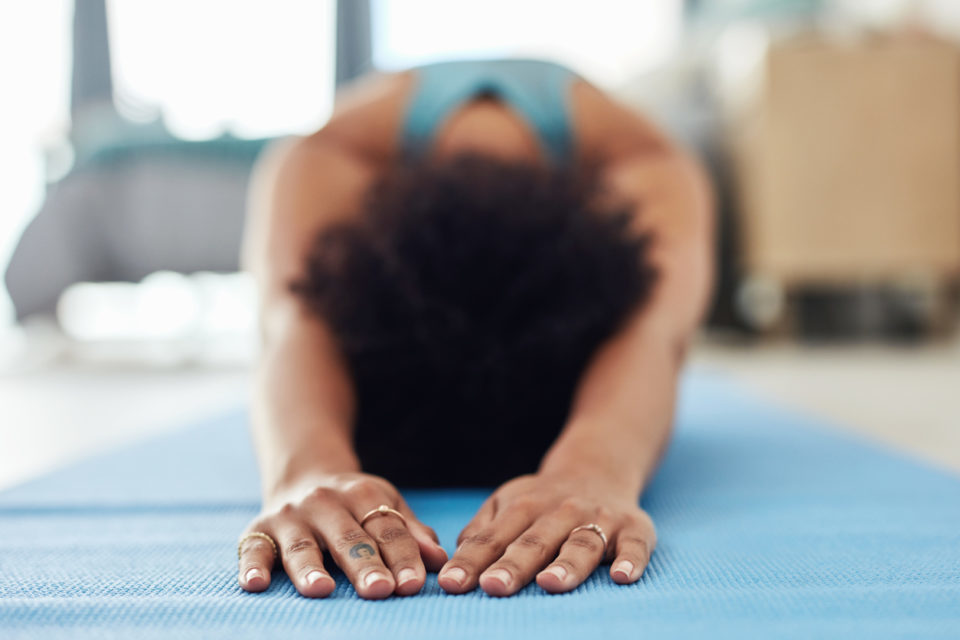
[(769, 526)]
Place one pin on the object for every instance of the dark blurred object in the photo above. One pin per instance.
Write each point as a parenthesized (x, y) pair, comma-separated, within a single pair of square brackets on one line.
[(354, 45), (849, 175), (889, 313), (137, 199), (133, 209), (92, 81)]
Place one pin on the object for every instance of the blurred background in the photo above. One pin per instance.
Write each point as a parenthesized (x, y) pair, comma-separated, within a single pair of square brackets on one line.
[(128, 129)]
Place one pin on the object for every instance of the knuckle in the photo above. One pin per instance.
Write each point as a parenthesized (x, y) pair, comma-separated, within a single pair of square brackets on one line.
[(299, 545), (480, 538), (407, 560), (533, 542), (468, 531), (365, 492), (349, 538), (392, 534), (590, 541), (491, 505), (604, 512), (322, 494), (260, 524), (524, 504), (288, 509), (574, 505), (624, 522), (486, 539), (256, 546)]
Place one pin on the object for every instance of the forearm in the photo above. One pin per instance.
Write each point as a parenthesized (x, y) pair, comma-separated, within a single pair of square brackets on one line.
[(303, 404), (622, 414)]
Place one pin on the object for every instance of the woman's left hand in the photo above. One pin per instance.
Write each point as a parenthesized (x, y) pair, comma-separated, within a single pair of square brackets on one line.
[(523, 530)]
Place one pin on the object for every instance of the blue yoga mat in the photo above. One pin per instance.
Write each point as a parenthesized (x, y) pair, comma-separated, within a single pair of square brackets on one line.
[(770, 525)]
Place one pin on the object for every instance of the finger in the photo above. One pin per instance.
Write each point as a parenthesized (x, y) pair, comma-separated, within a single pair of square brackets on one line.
[(634, 544), (303, 561), (354, 550), (530, 551), (432, 553), (484, 516), (256, 559), (399, 549), (480, 520), (481, 545), (579, 556)]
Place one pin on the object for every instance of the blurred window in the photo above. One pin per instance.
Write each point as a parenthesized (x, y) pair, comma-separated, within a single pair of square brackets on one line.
[(609, 41), (34, 111), (247, 67)]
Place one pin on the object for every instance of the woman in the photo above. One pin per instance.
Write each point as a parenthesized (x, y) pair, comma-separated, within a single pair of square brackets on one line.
[(476, 273)]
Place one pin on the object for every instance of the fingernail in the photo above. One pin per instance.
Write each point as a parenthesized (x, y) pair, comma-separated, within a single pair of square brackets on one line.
[(372, 577), (456, 574), (625, 567), (314, 577), (406, 575), (502, 575), (252, 573), (557, 570)]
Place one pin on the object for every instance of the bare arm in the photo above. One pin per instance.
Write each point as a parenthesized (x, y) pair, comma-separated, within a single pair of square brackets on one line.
[(303, 402), (622, 411), (314, 492)]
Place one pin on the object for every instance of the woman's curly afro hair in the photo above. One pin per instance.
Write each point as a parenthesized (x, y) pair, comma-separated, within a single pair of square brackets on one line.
[(467, 296)]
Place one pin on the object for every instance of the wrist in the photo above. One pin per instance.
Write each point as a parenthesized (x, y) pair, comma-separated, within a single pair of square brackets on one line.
[(299, 472), (579, 459)]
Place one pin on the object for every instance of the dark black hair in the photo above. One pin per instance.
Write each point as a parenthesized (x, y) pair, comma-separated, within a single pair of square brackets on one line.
[(467, 296)]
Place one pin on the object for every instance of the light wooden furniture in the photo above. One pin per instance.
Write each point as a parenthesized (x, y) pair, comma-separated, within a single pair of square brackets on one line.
[(848, 168)]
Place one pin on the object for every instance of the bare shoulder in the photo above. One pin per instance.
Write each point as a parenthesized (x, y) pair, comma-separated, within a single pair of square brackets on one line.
[(368, 114), (302, 184), (608, 129), (299, 186)]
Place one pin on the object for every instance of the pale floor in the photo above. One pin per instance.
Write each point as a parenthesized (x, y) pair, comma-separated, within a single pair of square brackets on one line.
[(908, 397), (904, 396)]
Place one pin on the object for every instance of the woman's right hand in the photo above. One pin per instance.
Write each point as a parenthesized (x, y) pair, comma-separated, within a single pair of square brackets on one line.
[(383, 556)]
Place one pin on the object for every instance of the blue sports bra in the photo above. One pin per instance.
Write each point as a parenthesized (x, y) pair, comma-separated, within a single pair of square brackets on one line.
[(536, 89)]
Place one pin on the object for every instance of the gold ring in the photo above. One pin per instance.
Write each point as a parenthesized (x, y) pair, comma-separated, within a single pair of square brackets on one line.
[(256, 534), (596, 528), (382, 509)]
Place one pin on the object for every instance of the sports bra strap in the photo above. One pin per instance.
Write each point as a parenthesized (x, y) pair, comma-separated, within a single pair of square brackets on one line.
[(537, 89)]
